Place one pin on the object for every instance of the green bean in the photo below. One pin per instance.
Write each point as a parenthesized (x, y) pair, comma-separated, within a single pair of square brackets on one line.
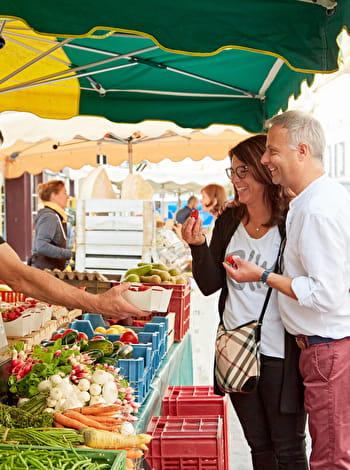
[(42, 459)]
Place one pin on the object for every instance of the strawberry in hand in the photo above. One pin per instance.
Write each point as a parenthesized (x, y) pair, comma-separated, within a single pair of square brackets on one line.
[(195, 213), (230, 259)]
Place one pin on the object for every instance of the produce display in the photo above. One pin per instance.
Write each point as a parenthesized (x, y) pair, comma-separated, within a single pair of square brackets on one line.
[(67, 396), (71, 390), (154, 273), (69, 377), (43, 458)]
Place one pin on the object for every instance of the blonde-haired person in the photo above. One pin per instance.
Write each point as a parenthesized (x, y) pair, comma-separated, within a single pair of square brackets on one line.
[(50, 237)]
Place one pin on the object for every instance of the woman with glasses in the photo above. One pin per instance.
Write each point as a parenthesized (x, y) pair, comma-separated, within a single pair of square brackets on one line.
[(272, 416)]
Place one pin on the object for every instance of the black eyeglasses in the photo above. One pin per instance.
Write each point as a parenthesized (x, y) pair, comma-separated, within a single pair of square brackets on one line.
[(241, 171)]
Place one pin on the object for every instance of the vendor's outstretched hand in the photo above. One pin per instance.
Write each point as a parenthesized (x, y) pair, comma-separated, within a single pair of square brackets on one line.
[(192, 231), (112, 303)]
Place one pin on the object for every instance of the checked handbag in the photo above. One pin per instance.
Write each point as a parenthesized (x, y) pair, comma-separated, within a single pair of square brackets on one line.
[(237, 358), (237, 351)]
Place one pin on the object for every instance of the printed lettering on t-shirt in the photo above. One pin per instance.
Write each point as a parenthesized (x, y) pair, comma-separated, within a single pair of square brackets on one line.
[(254, 257)]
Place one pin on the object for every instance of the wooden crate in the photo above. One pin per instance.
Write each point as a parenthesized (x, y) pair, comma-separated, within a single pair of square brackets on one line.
[(114, 234)]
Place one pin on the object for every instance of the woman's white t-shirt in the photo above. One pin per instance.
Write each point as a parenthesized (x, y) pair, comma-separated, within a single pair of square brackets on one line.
[(245, 300)]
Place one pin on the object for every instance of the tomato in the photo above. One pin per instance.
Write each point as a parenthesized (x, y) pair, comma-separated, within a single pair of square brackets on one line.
[(65, 332), (82, 335), (129, 337), (195, 213), (57, 336), (95, 338)]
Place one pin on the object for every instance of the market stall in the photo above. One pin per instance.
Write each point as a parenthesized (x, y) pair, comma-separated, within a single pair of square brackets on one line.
[(143, 359)]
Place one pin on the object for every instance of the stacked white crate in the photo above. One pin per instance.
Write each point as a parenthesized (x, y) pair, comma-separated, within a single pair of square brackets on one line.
[(113, 235)]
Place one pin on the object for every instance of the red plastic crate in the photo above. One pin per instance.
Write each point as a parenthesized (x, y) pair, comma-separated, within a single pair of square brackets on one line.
[(197, 401), (186, 443), (180, 304)]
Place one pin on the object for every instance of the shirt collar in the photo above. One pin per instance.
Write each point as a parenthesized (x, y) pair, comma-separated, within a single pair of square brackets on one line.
[(308, 190)]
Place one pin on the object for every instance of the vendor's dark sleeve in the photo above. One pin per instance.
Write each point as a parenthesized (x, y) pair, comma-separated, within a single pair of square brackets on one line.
[(2, 240)]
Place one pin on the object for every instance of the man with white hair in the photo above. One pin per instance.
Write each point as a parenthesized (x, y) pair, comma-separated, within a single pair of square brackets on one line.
[(314, 296)]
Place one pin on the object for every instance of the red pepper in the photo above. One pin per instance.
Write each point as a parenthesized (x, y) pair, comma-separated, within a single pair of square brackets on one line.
[(129, 337), (95, 338), (195, 213)]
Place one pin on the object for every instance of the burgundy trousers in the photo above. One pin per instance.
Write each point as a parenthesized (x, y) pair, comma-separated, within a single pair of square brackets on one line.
[(325, 369)]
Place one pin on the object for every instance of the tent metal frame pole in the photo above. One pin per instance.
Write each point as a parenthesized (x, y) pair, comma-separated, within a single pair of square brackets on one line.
[(40, 81), (151, 64), (34, 61)]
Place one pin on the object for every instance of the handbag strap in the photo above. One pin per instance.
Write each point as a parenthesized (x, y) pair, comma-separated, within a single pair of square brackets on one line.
[(268, 294)]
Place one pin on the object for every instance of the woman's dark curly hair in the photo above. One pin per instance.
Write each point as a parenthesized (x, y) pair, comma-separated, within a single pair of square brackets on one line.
[(249, 152)]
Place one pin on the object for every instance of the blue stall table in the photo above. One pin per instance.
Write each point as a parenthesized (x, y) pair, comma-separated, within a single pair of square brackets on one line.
[(176, 369)]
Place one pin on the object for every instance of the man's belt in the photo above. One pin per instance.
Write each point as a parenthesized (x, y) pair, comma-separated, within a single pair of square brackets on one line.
[(304, 341)]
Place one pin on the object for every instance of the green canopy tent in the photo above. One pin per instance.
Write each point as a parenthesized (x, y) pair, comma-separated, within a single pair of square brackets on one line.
[(128, 78), (303, 32)]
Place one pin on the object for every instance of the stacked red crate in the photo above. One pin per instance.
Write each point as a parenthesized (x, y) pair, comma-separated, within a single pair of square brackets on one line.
[(181, 443), (197, 401)]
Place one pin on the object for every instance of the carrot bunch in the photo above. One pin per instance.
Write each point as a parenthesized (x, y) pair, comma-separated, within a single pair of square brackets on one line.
[(94, 416)]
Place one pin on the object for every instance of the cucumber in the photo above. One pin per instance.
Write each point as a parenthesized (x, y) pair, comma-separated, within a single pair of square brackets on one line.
[(111, 361), (125, 352), (95, 355), (70, 338), (103, 345)]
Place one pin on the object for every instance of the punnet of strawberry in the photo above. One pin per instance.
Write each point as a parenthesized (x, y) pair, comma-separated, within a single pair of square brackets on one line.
[(10, 312)]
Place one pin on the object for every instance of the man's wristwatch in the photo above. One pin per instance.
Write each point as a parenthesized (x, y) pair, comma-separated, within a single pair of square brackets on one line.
[(264, 276)]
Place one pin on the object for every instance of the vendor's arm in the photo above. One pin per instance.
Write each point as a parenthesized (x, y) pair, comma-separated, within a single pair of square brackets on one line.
[(246, 271), (43, 286)]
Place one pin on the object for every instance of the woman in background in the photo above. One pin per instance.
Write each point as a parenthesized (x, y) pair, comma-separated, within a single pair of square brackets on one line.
[(50, 238), (214, 197)]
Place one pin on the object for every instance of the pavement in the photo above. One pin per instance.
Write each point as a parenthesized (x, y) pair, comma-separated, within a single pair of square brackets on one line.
[(204, 321)]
